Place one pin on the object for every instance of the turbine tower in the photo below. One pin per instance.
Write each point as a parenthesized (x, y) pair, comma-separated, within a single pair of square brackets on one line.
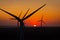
[(21, 28)]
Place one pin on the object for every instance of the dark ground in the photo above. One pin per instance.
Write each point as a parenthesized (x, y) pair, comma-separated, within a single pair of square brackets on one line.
[(46, 33)]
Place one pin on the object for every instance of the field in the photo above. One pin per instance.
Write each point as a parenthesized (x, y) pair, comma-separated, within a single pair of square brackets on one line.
[(31, 33)]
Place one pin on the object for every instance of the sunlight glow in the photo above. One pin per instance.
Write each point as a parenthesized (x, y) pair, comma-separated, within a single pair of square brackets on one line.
[(35, 25)]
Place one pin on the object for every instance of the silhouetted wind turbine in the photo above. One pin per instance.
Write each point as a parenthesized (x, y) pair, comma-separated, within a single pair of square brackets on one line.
[(21, 28), (42, 21)]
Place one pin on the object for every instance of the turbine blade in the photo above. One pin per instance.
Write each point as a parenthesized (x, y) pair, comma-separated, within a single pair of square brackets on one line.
[(20, 14), (34, 12), (11, 14), (42, 17), (26, 13)]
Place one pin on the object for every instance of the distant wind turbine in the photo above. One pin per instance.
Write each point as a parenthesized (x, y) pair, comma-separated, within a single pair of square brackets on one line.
[(21, 28), (42, 21)]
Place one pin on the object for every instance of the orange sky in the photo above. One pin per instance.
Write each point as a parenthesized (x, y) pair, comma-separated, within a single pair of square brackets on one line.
[(51, 11)]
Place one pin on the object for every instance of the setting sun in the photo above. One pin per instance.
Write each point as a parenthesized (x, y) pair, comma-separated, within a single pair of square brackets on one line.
[(35, 25)]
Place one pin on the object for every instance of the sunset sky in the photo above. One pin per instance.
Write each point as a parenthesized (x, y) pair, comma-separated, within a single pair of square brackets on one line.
[(51, 12)]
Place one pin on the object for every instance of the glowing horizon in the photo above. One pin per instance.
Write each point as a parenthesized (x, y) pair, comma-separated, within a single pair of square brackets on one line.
[(50, 12)]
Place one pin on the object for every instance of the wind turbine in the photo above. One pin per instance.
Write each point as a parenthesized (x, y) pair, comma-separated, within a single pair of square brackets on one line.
[(42, 21), (21, 28)]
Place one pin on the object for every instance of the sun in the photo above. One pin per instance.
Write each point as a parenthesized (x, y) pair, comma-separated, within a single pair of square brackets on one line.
[(35, 25)]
